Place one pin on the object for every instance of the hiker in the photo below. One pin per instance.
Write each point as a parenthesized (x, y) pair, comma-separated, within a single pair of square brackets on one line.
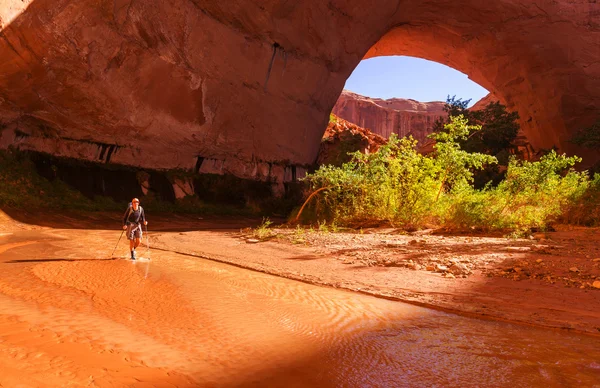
[(132, 223)]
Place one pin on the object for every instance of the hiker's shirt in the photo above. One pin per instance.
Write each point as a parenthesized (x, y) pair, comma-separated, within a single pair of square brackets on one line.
[(134, 216)]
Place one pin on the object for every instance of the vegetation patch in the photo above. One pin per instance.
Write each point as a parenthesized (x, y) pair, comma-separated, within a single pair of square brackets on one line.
[(37, 181), (396, 185)]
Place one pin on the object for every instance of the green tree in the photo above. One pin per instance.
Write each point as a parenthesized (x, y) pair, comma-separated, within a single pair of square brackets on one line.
[(453, 107), (457, 163), (588, 137), (499, 127)]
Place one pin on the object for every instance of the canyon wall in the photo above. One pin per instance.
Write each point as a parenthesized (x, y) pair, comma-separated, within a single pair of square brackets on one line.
[(246, 88), (396, 115)]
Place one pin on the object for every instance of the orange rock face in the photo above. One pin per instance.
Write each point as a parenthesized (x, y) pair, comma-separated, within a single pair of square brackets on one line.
[(384, 117), (342, 137), (247, 87), (485, 101)]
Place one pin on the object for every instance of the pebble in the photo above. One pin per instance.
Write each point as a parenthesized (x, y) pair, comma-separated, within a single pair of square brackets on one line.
[(414, 266), (596, 284), (450, 276), (459, 269), (252, 241), (539, 260), (598, 259), (573, 269)]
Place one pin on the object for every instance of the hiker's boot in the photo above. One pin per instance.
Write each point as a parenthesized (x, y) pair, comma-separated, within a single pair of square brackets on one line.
[(133, 254)]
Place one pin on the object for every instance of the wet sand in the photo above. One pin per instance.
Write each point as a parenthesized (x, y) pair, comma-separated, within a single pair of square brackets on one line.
[(72, 315), (545, 292)]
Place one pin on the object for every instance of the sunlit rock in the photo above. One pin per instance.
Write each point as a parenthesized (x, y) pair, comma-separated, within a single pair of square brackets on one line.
[(248, 86)]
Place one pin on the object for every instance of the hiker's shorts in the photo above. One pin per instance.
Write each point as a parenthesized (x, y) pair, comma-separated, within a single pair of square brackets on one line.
[(134, 231)]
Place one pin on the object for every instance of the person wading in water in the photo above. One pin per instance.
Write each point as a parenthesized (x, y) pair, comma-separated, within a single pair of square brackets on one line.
[(132, 223)]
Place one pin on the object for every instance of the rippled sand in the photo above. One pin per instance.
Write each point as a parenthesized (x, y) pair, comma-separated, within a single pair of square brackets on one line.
[(70, 315)]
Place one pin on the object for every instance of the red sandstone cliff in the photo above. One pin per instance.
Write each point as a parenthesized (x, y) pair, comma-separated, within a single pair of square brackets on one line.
[(246, 87), (384, 117), (407, 117), (485, 101), (342, 137)]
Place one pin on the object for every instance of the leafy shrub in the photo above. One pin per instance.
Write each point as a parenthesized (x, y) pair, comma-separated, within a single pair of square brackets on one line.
[(264, 231), (381, 186), (584, 209), (588, 137), (458, 164), (532, 195), (499, 129), (397, 185)]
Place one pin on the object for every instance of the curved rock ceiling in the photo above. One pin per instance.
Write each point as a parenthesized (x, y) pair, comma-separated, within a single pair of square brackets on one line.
[(247, 87)]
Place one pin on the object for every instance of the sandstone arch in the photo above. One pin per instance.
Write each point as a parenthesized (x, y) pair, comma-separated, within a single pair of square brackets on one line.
[(246, 87)]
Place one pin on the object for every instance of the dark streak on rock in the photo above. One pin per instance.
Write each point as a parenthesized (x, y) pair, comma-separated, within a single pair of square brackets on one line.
[(276, 46), (199, 162), (112, 149)]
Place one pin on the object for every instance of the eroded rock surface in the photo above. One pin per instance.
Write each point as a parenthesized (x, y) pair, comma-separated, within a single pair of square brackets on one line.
[(403, 117), (343, 137), (247, 87)]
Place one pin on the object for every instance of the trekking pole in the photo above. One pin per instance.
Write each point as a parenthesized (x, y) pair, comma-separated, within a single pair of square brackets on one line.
[(147, 253), (147, 243), (113, 252)]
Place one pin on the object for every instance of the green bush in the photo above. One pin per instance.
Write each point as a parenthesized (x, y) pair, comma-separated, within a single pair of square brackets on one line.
[(532, 195), (584, 208), (391, 184), (535, 193), (397, 185), (22, 187)]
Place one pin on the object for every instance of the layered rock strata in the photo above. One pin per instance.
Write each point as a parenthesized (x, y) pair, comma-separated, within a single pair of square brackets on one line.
[(403, 117)]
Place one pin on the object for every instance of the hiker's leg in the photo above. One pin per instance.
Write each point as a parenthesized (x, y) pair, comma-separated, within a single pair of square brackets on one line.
[(138, 236), (132, 248), (131, 238)]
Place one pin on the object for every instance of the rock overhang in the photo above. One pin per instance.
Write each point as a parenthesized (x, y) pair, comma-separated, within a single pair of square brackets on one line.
[(250, 86)]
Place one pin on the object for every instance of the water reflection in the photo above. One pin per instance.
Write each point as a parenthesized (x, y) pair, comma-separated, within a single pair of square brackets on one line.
[(225, 326)]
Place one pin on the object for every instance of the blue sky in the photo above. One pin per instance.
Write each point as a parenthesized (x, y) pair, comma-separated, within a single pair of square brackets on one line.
[(409, 77)]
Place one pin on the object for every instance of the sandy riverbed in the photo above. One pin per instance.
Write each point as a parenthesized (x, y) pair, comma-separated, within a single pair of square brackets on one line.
[(72, 314)]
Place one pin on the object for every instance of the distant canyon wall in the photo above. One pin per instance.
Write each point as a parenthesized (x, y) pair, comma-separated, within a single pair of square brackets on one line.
[(406, 117), (396, 115)]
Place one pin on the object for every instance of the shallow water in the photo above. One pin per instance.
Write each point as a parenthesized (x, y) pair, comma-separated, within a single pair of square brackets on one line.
[(226, 326)]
